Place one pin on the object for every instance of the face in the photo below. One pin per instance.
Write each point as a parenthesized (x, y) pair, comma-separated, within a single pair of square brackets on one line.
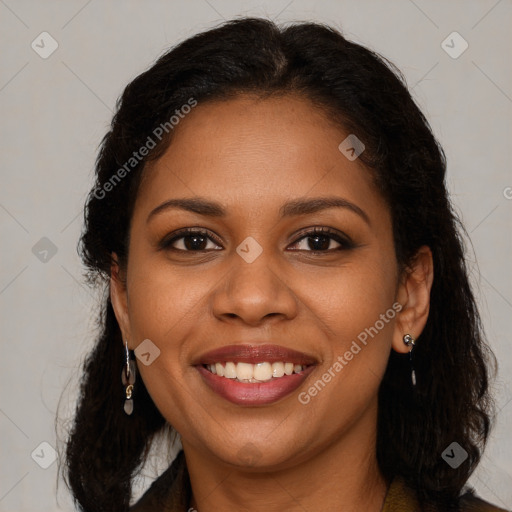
[(267, 275)]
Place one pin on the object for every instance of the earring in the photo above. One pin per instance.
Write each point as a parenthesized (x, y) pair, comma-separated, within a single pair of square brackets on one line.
[(128, 380), (410, 342)]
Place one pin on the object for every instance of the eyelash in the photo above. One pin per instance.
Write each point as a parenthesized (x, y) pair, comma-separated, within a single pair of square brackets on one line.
[(343, 240)]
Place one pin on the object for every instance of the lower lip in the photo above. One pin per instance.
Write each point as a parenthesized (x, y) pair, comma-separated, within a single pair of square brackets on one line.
[(242, 393)]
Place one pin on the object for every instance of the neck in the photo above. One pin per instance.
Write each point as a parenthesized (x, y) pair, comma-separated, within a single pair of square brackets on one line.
[(344, 475)]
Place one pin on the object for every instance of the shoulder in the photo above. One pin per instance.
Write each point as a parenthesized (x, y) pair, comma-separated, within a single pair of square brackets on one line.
[(469, 502), (170, 492), (401, 498)]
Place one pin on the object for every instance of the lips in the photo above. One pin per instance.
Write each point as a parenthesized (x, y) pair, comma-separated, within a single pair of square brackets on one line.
[(255, 354), (251, 392)]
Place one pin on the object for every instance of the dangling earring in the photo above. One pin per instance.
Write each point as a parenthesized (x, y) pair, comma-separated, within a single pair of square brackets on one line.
[(128, 380), (410, 342)]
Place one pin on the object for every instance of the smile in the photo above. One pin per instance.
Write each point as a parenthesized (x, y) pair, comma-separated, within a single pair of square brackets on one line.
[(254, 373)]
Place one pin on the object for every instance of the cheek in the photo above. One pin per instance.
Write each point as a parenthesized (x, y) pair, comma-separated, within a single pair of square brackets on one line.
[(164, 307), (347, 300), (353, 307), (163, 302)]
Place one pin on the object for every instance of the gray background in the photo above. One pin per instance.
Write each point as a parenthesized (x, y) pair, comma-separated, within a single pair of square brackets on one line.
[(54, 112)]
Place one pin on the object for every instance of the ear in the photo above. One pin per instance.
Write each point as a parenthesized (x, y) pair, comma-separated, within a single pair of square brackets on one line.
[(414, 296), (119, 298)]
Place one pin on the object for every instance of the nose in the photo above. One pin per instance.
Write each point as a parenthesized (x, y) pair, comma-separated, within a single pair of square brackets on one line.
[(254, 292)]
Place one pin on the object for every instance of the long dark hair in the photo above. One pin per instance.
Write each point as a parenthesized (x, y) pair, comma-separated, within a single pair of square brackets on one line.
[(364, 94)]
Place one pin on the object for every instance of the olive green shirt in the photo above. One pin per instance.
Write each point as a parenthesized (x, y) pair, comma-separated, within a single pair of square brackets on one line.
[(171, 492)]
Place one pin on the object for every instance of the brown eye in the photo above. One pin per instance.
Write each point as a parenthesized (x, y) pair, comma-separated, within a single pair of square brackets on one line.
[(190, 240), (322, 240), (316, 243)]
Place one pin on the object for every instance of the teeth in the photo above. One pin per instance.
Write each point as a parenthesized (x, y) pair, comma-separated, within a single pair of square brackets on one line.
[(230, 371), (277, 369), (220, 369), (262, 371), (244, 371), (259, 372)]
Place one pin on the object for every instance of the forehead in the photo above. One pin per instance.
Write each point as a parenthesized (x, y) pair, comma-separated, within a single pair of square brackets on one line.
[(249, 150)]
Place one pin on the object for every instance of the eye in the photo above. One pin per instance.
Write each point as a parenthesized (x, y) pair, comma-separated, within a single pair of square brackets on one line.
[(322, 240), (190, 240), (316, 240)]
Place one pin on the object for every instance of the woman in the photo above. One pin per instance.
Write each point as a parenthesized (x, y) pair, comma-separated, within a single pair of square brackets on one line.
[(287, 288)]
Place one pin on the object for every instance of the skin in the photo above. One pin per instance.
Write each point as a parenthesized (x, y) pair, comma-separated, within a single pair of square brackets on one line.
[(252, 155)]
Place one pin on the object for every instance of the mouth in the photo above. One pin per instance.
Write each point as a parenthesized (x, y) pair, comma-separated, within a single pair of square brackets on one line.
[(254, 374)]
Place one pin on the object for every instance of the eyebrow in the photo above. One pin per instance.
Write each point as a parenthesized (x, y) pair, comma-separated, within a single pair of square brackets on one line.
[(296, 207)]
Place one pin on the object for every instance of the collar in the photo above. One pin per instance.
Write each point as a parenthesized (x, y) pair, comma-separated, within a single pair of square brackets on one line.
[(171, 492)]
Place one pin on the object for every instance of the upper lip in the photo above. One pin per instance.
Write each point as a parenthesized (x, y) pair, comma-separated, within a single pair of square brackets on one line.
[(248, 353)]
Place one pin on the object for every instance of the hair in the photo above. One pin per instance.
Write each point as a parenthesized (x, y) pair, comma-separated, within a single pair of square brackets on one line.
[(364, 94)]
